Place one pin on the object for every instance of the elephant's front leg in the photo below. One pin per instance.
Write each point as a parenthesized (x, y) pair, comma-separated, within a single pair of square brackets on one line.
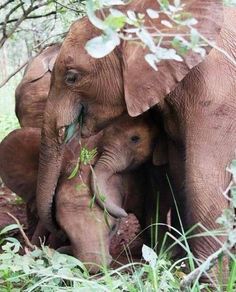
[(207, 156)]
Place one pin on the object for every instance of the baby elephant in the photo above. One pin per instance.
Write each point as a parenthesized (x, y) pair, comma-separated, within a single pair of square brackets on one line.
[(122, 147), (32, 92)]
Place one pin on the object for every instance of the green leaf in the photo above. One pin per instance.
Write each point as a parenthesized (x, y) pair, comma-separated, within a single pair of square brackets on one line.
[(74, 171), (180, 46), (149, 255), (9, 228), (106, 216), (177, 3), (92, 202), (233, 168), (102, 198), (112, 2), (103, 45), (233, 196), (90, 8), (147, 39), (227, 219), (232, 237), (152, 60), (164, 4), (81, 186), (230, 3), (86, 155), (153, 14), (115, 22)]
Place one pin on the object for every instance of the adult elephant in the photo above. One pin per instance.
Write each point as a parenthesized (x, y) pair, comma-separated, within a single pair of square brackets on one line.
[(32, 92), (195, 99)]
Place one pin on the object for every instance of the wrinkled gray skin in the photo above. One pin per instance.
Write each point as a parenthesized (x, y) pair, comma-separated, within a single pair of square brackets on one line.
[(32, 92), (123, 146), (198, 110)]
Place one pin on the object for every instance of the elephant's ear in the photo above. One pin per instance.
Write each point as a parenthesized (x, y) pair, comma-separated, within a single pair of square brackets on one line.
[(54, 53), (143, 86), (19, 155), (41, 64)]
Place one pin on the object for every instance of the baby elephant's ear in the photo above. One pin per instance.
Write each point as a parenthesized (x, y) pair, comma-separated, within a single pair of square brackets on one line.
[(160, 153), (41, 64), (19, 155)]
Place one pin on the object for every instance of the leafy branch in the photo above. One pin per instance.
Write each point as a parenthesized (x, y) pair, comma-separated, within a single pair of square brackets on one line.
[(118, 25), (26, 12), (130, 26)]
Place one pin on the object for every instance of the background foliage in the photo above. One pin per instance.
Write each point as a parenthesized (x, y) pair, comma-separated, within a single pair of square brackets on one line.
[(26, 27)]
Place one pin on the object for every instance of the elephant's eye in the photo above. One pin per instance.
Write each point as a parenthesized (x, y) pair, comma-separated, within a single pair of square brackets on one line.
[(135, 139), (71, 76)]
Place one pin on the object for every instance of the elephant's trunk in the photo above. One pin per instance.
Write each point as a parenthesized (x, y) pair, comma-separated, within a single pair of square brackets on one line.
[(49, 170), (106, 188)]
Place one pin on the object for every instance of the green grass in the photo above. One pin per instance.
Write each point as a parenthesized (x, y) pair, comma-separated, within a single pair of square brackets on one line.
[(44, 269), (47, 270)]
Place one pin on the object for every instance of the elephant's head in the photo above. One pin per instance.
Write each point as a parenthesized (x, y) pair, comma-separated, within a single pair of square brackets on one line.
[(125, 144), (32, 92), (103, 89)]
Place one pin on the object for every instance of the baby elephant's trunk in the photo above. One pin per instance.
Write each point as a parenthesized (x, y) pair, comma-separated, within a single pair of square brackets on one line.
[(106, 189)]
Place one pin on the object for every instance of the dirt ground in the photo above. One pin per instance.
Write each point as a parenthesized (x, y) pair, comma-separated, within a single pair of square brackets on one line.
[(10, 203)]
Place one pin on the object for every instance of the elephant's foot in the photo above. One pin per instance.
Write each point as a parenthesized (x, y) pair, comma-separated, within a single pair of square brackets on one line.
[(127, 237), (40, 234)]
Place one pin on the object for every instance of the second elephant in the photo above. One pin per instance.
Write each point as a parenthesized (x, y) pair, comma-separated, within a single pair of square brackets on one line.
[(32, 92)]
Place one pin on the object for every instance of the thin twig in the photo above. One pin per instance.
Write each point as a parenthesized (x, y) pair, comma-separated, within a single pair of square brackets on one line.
[(28, 11), (26, 239), (6, 3), (13, 74), (69, 8), (31, 17), (203, 268)]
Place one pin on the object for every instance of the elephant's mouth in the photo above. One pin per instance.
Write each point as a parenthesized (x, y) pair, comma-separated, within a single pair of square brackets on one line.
[(75, 127)]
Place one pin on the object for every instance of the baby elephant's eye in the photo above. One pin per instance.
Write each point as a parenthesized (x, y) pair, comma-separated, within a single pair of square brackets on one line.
[(71, 76), (135, 139)]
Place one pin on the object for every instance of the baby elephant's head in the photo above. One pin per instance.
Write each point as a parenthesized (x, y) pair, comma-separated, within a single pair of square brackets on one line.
[(126, 144)]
